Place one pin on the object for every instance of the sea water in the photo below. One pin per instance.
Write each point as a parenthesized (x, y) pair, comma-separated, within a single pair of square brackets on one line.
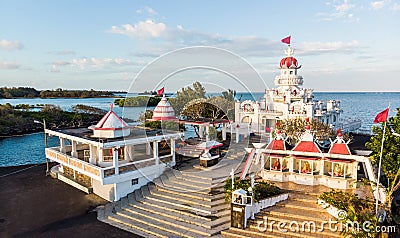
[(29, 149)]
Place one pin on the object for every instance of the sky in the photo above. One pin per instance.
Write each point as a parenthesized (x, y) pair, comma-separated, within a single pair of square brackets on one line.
[(342, 45)]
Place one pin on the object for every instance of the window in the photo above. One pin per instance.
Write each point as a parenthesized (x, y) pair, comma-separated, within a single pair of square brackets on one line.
[(135, 181)]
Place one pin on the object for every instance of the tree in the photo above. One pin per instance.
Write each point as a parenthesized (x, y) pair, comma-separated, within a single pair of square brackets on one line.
[(390, 154), (294, 128), (185, 95)]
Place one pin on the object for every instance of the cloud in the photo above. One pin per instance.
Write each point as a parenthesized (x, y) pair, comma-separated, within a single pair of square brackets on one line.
[(314, 48), (65, 52), (395, 7), (10, 45), (339, 11), (60, 63), (377, 5), (148, 10), (142, 29), (8, 65), (98, 63)]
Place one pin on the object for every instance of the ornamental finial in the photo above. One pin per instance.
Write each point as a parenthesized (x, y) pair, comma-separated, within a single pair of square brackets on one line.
[(289, 51)]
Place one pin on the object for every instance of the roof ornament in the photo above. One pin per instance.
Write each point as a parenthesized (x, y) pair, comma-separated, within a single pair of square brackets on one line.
[(289, 51), (111, 106)]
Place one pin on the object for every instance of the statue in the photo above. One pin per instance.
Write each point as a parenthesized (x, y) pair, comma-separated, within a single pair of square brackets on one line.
[(306, 168)]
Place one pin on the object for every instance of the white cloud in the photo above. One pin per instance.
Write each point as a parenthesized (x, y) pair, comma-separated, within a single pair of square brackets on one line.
[(142, 29), (377, 5), (396, 7), (8, 65), (339, 11), (60, 63), (150, 11), (312, 48), (98, 63), (10, 45), (65, 52)]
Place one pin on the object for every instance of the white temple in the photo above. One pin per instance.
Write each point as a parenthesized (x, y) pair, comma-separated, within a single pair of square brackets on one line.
[(163, 111), (289, 100)]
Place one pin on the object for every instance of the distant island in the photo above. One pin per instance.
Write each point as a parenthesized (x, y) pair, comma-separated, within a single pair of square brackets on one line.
[(27, 92), (18, 121)]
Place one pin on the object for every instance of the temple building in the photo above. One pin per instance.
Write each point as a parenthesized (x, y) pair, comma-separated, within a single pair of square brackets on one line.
[(307, 164), (111, 158), (163, 111), (289, 100)]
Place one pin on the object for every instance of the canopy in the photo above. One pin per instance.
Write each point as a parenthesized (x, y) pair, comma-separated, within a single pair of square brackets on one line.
[(209, 145)]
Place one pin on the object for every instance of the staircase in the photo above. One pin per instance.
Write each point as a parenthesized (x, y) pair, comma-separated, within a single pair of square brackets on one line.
[(300, 207), (177, 204)]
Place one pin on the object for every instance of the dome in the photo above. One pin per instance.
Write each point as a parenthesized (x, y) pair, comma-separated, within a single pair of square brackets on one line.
[(288, 62), (163, 111)]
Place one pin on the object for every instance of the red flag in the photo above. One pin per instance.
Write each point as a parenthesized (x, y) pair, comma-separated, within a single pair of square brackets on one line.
[(382, 116), (286, 40), (160, 91)]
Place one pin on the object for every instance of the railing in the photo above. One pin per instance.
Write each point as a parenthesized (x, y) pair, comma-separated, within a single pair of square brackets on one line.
[(77, 164)]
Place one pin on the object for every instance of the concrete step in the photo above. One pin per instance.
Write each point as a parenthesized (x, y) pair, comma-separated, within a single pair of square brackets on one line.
[(294, 214), (182, 188), (190, 207), (209, 222), (312, 207), (236, 232), (136, 228), (185, 200), (203, 197)]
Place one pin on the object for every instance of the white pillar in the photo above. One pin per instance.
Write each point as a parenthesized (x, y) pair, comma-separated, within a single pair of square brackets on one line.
[(148, 150), (223, 131), (62, 145), (100, 153), (207, 133), (115, 160), (92, 154), (201, 131), (74, 153), (116, 196), (291, 164), (155, 152), (231, 130), (173, 151), (237, 134), (321, 170)]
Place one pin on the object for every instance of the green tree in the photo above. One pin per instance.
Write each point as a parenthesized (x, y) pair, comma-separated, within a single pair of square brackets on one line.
[(390, 154), (294, 128), (185, 95)]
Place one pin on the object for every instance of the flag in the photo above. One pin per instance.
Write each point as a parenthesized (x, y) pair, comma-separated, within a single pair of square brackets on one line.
[(160, 91), (382, 116), (286, 40)]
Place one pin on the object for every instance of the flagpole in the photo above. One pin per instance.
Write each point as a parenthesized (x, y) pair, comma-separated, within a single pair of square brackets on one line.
[(379, 167)]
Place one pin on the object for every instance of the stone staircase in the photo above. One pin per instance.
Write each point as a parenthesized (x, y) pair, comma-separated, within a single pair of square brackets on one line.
[(177, 204), (300, 207)]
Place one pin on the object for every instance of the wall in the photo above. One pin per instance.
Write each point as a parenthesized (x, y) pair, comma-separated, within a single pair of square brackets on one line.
[(104, 191)]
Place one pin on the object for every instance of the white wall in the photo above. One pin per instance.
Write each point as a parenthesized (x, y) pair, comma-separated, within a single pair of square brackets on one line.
[(104, 191)]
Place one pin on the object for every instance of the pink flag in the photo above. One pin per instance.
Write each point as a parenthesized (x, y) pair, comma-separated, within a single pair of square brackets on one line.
[(160, 91), (286, 40), (382, 116)]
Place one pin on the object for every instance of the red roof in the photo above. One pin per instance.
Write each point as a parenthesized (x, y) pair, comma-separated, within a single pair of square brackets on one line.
[(307, 146), (337, 148), (276, 145)]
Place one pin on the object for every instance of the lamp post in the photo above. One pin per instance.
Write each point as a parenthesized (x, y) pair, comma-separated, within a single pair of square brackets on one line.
[(45, 143)]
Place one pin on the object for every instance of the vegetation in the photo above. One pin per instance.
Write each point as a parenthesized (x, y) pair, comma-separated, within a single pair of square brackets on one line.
[(139, 101), (166, 125), (185, 95), (26, 92), (261, 189), (18, 92), (361, 211), (14, 122), (294, 129), (390, 157)]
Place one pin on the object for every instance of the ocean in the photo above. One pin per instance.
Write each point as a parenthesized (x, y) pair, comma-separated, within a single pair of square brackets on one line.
[(29, 149)]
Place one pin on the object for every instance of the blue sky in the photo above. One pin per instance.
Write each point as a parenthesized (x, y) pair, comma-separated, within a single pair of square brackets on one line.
[(342, 45)]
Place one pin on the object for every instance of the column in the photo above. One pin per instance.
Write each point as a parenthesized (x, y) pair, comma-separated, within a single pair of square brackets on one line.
[(237, 134), (148, 149), (207, 133), (115, 160), (223, 131), (201, 131), (290, 164), (231, 125), (92, 154), (62, 145), (321, 170), (173, 151), (100, 153), (155, 152), (74, 153)]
